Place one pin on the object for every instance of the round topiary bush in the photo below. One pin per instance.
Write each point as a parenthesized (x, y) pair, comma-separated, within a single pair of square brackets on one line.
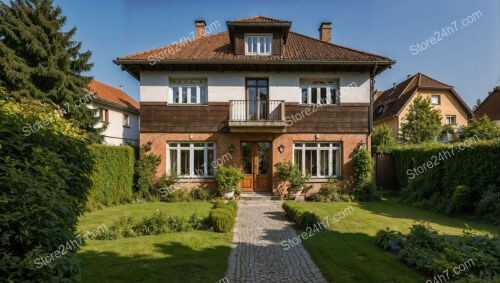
[(222, 219)]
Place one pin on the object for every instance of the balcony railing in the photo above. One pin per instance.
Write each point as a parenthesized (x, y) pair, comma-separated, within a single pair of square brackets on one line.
[(255, 110), (257, 116)]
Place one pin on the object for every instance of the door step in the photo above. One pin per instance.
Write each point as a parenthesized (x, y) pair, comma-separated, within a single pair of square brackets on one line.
[(257, 196)]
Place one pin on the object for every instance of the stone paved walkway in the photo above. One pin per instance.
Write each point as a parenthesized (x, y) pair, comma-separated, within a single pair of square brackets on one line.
[(257, 254)]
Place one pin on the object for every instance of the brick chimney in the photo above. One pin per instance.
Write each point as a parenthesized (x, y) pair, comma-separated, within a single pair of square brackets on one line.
[(200, 28), (325, 31)]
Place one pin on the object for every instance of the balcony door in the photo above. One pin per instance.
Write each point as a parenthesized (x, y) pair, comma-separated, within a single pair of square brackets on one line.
[(256, 166), (257, 96)]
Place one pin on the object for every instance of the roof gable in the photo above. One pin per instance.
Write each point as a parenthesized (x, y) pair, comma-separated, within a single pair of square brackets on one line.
[(112, 95), (392, 101), (490, 106)]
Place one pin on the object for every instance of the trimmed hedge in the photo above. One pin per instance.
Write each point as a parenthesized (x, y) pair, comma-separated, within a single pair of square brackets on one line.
[(222, 216), (113, 175), (299, 215), (460, 178)]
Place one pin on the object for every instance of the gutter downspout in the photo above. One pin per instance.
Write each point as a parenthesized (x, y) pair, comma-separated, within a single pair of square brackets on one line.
[(370, 111)]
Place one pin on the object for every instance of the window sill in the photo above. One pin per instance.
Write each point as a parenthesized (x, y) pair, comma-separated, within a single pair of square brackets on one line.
[(197, 179), (321, 179)]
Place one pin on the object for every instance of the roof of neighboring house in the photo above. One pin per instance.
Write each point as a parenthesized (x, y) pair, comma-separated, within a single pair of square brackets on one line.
[(258, 19), (491, 105), (112, 95), (391, 101)]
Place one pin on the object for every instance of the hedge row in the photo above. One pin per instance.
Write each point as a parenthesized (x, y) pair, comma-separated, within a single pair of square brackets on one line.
[(113, 175), (299, 215), (223, 216), (461, 178)]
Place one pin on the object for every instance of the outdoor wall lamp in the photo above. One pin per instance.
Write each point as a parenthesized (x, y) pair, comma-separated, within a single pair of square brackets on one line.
[(231, 148), (281, 148), (149, 144)]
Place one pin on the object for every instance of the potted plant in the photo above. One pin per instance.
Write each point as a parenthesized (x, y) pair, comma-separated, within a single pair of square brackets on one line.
[(289, 172), (228, 180)]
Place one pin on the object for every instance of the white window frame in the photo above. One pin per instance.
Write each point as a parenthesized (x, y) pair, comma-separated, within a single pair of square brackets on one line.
[(206, 146), (259, 37), (451, 116), (189, 86), (438, 98), (333, 148), (329, 86)]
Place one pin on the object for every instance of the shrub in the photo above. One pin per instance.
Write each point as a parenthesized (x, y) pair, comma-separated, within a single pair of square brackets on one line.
[(160, 223), (163, 186), (222, 220), (222, 216), (390, 240), (44, 169), (327, 192), (200, 194), (145, 174), (124, 227), (113, 175), (228, 178), (483, 128), (300, 216), (177, 195), (431, 253), (291, 173), (462, 200), (364, 184), (107, 235), (489, 205)]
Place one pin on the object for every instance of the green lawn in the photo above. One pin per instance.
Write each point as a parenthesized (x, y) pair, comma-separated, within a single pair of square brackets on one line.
[(345, 252), (197, 256)]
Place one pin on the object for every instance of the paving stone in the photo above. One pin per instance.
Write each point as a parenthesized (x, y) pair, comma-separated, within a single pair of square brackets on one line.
[(256, 252)]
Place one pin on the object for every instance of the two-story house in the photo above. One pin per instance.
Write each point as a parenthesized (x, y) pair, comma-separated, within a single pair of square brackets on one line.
[(252, 96), (391, 105), (118, 113)]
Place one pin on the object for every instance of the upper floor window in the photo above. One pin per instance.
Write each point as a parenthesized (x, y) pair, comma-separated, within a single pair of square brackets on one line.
[(126, 121), (103, 115), (451, 119), (258, 44), (436, 99), (189, 91), (320, 93)]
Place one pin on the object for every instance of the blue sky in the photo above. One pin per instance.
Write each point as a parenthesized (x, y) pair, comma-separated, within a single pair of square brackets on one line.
[(468, 58)]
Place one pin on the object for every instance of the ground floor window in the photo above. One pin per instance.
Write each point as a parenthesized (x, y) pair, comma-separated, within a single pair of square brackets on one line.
[(191, 159), (321, 160)]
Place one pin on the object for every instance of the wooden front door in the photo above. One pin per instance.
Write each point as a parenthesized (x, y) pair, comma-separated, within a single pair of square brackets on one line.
[(256, 166)]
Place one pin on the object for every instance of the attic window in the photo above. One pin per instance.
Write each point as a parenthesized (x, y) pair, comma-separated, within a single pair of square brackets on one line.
[(379, 110), (258, 44)]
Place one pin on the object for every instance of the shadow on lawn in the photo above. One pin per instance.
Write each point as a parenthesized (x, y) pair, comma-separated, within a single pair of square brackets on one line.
[(392, 208), (173, 262)]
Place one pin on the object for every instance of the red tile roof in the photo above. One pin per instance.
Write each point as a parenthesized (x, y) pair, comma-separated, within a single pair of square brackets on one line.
[(112, 95), (490, 106), (217, 47), (258, 19), (391, 101)]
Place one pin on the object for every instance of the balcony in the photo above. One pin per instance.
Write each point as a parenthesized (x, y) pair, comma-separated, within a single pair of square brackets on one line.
[(255, 116)]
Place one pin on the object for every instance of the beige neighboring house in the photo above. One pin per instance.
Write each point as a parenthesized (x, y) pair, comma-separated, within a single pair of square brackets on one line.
[(391, 106), (118, 110), (490, 106)]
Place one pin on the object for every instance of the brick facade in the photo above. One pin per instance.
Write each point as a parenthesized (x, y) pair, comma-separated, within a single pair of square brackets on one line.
[(224, 141)]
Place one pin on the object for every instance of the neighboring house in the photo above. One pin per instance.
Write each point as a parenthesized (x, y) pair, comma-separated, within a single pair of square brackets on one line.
[(118, 111), (253, 96), (391, 106), (490, 106)]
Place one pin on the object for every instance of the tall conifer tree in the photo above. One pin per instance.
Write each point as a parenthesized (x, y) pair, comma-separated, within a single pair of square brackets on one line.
[(38, 60)]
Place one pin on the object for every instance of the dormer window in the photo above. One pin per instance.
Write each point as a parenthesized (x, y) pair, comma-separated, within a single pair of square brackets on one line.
[(258, 44)]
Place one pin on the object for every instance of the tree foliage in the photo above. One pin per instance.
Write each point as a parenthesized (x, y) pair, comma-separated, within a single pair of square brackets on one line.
[(382, 139), (483, 128), (44, 169), (41, 61), (422, 123)]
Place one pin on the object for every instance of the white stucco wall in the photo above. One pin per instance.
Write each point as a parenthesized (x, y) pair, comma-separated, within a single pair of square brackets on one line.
[(225, 86), (116, 133)]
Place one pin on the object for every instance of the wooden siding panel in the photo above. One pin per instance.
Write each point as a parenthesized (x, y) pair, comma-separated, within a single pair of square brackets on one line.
[(162, 118)]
